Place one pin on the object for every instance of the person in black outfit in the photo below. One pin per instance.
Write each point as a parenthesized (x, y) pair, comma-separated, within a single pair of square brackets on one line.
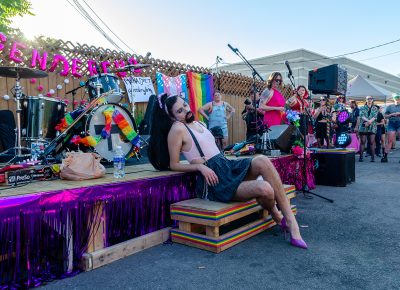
[(355, 113), (249, 115), (321, 116), (380, 127)]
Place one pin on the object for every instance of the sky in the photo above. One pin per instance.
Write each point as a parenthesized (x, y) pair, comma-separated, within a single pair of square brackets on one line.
[(196, 32)]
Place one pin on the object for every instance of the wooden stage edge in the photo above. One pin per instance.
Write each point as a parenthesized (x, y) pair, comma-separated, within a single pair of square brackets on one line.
[(110, 254), (132, 172)]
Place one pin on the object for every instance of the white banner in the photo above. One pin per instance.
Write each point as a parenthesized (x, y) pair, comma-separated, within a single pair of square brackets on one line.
[(139, 89)]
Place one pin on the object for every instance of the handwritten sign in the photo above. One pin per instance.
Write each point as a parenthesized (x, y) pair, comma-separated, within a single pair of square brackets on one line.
[(139, 89)]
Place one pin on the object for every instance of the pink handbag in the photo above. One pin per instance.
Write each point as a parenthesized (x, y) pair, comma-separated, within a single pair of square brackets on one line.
[(81, 166)]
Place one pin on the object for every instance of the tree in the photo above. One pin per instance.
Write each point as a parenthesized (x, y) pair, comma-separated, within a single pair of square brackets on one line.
[(12, 8)]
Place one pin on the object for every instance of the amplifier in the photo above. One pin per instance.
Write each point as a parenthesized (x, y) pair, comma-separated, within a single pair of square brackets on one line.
[(335, 168)]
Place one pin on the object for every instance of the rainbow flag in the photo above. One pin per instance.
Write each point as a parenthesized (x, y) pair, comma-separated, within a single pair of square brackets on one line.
[(201, 91)]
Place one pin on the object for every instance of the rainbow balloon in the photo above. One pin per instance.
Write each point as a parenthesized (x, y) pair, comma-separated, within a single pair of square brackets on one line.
[(201, 91)]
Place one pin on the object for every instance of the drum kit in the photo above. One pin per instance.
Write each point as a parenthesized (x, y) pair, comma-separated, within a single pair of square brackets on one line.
[(37, 118)]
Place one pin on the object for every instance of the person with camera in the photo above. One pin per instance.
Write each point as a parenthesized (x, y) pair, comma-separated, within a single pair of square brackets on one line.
[(368, 126), (217, 113), (252, 114)]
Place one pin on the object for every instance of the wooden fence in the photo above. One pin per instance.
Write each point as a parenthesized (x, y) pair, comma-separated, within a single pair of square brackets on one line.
[(234, 87)]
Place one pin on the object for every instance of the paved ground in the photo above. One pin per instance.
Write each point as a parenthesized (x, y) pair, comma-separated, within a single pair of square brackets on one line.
[(353, 244)]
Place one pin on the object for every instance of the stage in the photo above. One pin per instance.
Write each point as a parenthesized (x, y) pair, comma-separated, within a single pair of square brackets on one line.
[(46, 227)]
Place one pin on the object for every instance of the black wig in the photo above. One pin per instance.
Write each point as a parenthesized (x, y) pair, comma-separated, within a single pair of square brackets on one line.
[(161, 123)]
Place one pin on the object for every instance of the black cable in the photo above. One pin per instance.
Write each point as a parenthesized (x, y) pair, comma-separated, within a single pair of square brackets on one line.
[(94, 24), (380, 56)]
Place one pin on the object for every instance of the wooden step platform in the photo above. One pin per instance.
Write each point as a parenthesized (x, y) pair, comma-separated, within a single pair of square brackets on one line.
[(216, 226)]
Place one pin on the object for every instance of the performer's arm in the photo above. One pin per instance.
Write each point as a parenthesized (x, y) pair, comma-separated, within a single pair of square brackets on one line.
[(263, 104)]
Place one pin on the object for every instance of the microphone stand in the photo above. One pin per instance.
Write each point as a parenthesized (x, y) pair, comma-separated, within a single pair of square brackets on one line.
[(73, 92), (304, 188), (254, 74)]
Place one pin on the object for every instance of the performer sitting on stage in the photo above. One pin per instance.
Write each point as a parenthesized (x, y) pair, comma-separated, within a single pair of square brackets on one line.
[(272, 102), (322, 117), (174, 131)]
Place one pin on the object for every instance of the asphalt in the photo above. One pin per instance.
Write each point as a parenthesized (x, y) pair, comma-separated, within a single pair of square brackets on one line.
[(353, 244)]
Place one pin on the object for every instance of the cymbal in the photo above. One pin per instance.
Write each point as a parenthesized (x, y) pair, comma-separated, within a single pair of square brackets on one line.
[(130, 67), (23, 72)]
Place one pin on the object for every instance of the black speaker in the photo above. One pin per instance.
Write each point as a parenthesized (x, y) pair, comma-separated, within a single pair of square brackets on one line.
[(281, 136), (331, 80), (335, 169)]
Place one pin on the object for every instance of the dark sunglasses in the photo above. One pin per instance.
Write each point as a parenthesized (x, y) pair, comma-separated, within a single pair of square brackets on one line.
[(341, 98), (370, 99), (278, 80)]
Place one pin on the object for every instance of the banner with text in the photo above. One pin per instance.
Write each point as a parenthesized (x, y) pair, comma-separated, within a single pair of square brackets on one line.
[(139, 89)]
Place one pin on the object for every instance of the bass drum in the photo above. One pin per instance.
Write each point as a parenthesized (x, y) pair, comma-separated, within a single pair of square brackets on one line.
[(95, 122)]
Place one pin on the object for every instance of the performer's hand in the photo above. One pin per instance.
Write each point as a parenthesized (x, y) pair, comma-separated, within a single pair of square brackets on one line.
[(209, 175)]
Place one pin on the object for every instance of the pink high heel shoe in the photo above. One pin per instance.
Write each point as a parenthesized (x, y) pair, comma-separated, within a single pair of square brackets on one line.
[(299, 243)]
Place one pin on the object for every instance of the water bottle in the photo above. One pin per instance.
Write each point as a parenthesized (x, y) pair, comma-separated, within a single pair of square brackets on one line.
[(119, 163)]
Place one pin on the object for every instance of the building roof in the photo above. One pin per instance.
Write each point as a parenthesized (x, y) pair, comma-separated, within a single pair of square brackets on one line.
[(303, 60)]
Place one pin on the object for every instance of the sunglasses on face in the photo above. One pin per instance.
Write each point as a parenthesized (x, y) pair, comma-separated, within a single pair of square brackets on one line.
[(278, 80), (370, 99)]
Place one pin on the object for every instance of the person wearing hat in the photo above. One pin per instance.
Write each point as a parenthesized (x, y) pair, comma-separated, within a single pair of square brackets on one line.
[(392, 113)]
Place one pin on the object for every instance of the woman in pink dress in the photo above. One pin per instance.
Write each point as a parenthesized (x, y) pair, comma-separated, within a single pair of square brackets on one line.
[(272, 101)]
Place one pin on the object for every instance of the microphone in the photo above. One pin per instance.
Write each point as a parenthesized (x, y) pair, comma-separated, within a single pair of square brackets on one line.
[(233, 49), (288, 67)]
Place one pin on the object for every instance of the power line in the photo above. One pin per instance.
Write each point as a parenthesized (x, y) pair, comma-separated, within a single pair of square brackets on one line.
[(87, 17), (109, 28), (324, 58), (379, 56), (94, 23)]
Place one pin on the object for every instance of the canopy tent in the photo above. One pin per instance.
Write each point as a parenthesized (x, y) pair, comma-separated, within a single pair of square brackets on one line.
[(358, 88)]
